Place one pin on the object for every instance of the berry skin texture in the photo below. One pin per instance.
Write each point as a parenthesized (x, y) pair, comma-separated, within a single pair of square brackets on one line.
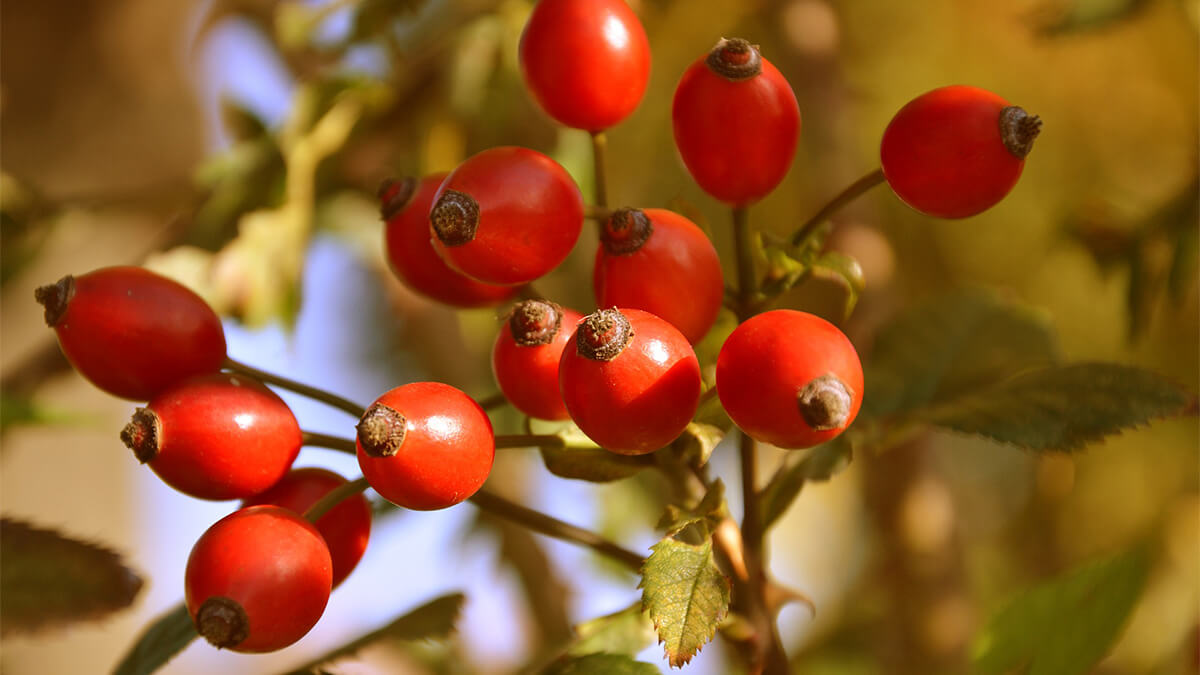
[(789, 378), (736, 123), (425, 446), (956, 151), (507, 215), (630, 380), (526, 354), (217, 437), (258, 580), (410, 253), (586, 62), (132, 332), (346, 528), (659, 262)]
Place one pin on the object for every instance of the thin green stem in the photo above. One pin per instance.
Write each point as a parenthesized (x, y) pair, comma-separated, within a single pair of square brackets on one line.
[(319, 440), (553, 527), (333, 498), (312, 392), (599, 163), (852, 192), (529, 441)]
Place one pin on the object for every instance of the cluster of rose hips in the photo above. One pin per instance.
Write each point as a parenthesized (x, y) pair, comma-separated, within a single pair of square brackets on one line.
[(626, 374)]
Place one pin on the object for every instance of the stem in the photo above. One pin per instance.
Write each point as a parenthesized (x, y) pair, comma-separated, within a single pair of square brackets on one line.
[(333, 498), (314, 393), (552, 527), (598, 213), (492, 402), (599, 151), (319, 440), (529, 441), (747, 282), (854, 191)]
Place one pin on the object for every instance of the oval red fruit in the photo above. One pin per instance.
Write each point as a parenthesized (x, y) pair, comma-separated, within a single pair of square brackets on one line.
[(526, 353)]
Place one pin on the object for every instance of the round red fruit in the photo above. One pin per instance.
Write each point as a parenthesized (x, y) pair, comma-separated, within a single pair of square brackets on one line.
[(956, 151), (258, 580), (736, 123), (132, 332), (790, 379), (219, 436), (526, 353), (425, 446), (507, 215), (660, 262), (346, 528), (405, 209), (630, 380), (586, 62)]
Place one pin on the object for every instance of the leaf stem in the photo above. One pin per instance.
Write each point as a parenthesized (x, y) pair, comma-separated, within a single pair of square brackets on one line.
[(852, 192), (553, 527), (599, 162), (333, 498), (319, 440), (314, 393)]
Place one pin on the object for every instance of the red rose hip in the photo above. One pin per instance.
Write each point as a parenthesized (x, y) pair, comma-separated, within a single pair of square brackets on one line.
[(507, 215), (526, 354), (736, 123), (586, 62), (630, 380), (425, 446), (789, 378), (405, 209), (346, 528), (956, 151), (660, 262), (258, 580), (219, 436), (132, 332)]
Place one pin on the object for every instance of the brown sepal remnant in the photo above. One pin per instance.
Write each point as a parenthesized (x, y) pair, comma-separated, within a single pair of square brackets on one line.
[(222, 622), (455, 218), (825, 403), (381, 431), (394, 195), (54, 298), (143, 434), (603, 335), (625, 231), (535, 322), (1019, 129), (734, 59)]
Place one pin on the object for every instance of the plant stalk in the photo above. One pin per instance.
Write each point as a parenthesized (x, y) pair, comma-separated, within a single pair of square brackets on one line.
[(599, 163), (314, 393), (319, 440), (852, 192), (333, 498)]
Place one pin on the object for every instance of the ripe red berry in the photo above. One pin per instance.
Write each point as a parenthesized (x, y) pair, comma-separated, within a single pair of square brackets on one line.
[(132, 332), (660, 262), (346, 528), (425, 446), (258, 580), (789, 378), (630, 380), (507, 215), (956, 151), (736, 123), (526, 353), (585, 61), (406, 205), (218, 436)]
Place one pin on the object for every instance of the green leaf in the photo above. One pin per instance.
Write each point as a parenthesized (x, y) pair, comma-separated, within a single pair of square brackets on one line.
[(580, 458), (601, 664), (431, 621), (685, 595), (697, 442), (1066, 625), (628, 632), (846, 271), (1064, 407), (24, 410), (48, 580), (159, 643), (819, 464), (709, 511), (949, 345)]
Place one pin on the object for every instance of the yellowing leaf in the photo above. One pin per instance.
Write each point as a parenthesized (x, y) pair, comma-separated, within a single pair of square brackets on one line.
[(685, 595)]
